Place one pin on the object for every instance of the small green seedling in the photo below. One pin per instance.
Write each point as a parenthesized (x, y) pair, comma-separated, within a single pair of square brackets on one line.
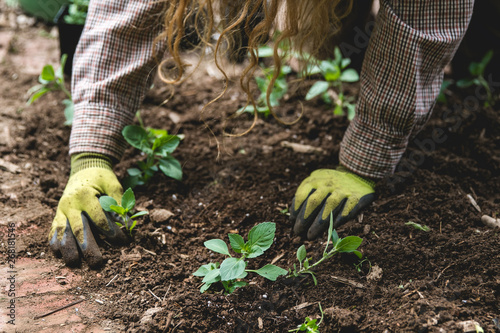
[(158, 146), (109, 204), (77, 12), (309, 324), (476, 70), (53, 80), (331, 88), (279, 90), (233, 269), (346, 245), (418, 226)]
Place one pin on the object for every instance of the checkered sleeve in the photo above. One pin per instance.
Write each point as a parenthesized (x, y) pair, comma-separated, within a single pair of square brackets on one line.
[(112, 70), (401, 77)]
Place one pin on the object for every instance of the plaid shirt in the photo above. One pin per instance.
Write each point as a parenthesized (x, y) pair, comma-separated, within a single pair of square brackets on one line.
[(412, 42)]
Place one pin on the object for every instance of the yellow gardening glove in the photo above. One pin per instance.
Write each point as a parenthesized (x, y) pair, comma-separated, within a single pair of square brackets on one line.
[(79, 213), (325, 191)]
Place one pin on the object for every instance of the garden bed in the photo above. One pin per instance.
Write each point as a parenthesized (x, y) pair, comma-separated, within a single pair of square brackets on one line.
[(412, 281)]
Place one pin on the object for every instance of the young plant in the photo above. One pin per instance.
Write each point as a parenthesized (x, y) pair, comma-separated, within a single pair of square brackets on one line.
[(309, 324), (279, 90), (418, 226), (77, 12), (127, 205), (233, 269), (476, 70), (331, 88), (347, 245), (158, 146), (53, 80)]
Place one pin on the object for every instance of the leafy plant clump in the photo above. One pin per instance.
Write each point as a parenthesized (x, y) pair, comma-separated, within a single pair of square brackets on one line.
[(53, 80), (158, 147), (331, 89), (279, 89), (348, 244), (109, 204), (310, 325), (77, 12), (476, 70), (233, 269)]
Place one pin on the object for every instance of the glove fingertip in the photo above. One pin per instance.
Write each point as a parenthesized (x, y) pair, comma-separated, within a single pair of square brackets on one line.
[(68, 247), (91, 253)]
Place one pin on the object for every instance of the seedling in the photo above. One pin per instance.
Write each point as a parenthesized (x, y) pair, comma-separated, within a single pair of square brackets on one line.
[(346, 245), (309, 324), (279, 90), (158, 146), (418, 226), (233, 269), (53, 80), (331, 88), (109, 204), (77, 12), (476, 70)]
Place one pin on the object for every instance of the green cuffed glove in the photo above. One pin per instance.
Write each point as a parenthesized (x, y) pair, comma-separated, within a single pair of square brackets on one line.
[(79, 214), (326, 191)]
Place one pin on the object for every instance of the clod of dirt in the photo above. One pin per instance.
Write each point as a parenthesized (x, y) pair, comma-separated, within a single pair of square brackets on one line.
[(160, 215), (469, 326), (375, 274), (300, 148), (147, 318)]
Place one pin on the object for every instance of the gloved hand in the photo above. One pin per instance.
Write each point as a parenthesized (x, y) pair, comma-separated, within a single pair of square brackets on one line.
[(325, 191), (79, 213)]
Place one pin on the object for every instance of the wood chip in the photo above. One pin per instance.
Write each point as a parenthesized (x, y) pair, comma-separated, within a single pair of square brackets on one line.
[(348, 282), (300, 148), (490, 221), (473, 202), (10, 167)]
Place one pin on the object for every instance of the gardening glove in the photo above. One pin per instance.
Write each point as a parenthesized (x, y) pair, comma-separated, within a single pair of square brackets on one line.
[(79, 214), (326, 191)]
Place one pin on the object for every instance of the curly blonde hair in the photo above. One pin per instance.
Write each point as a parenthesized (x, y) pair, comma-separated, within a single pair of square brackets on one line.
[(304, 25)]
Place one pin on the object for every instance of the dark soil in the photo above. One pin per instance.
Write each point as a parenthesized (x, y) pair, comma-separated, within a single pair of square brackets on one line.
[(411, 281)]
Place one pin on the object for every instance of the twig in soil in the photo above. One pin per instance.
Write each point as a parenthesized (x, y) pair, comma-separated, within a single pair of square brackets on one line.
[(166, 293), (473, 202), (158, 298), (59, 309), (278, 257), (348, 282), (114, 277), (439, 275)]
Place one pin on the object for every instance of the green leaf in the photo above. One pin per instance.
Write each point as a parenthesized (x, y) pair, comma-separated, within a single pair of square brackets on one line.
[(60, 70), (136, 136), (349, 75), (231, 287), (141, 213), (262, 235), (255, 251), (128, 200), (204, 269), (270, 272), (166, 144), (349, 244), (212, 276), (106, 203), (118, 209), (217, 245), (237, 242), (232, 268), (134, 223), (351, 111), (69, 111), (335, 238), (358, 254), (47, 74), (301, 253), (134, 172), (37, 95), (345, 62), (171, 167), (465, 83), (316, 89), (205, 287)]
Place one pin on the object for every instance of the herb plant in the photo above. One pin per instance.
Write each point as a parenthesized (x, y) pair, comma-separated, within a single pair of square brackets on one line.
[(309, 324), (230, 272), (334, 73), (347, 245), (109, 204), (476, 70), (53, 80), (158, 147), (77, 12), (279, 90)]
